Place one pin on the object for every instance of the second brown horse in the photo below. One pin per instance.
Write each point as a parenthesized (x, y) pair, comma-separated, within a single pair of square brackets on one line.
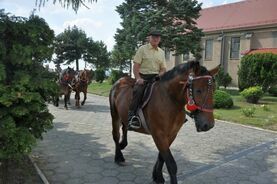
[(81, 83), (188, 85)]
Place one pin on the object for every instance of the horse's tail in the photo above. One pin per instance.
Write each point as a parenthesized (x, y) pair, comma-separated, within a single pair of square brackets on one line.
[(112, 100)]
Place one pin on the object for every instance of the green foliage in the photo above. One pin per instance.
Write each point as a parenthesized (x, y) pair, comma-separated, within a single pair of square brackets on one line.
[(273, 90), (258, 70), (75, 4), (70, 46), (115, 75), (222, 99), (99, 75), (175, 18), (25, 85), (249, 112), (97, 54), (223, 79), (252, 94)]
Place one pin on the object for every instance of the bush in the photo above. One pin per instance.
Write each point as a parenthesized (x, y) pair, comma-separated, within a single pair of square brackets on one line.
[(258, 70), (249, 112), (223, 79), (99, 75), (115, 75), (273, 91), (222, 99), (252, 94), (25, 85)]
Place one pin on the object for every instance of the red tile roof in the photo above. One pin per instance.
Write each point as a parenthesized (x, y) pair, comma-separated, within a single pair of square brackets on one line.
[(243, 14), (264, 50)]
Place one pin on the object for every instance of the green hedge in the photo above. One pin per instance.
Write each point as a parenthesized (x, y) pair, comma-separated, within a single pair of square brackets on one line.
[(273, 91), (252, 94), (99, 75), (25, 85), (222, 99), (223, 79), (258, 70), (115, 75)]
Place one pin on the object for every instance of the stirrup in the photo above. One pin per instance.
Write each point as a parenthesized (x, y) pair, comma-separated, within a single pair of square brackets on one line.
[(133, 125)]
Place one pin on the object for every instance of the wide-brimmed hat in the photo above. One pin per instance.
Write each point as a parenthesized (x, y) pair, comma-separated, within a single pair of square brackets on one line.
[(155, 33)]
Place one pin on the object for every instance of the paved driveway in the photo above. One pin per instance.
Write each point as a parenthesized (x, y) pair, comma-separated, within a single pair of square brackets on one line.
[(80, 149)]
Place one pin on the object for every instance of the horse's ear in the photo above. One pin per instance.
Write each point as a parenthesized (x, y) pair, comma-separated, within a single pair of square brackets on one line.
[(196, 67), (215, 70)]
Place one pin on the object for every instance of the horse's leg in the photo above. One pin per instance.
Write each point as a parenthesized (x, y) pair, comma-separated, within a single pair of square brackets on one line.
[(68, 98), (163, 145), (85, 97), (124, 141), (119, 158), (171, 165), (65, 101), (77, 98), (157, 174)]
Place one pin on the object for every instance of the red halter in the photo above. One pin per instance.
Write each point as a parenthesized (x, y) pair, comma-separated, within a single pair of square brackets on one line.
[(191, 105)]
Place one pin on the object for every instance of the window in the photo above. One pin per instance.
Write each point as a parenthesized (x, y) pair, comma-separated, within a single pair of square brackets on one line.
[(209, 50), (235, 47), (274, 35)]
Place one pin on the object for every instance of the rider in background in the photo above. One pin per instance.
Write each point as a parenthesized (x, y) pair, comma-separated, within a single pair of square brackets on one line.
[(149, 62)]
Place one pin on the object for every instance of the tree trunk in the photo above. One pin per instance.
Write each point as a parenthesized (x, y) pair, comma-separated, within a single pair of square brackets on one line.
[(4, 171), (131, 68), (77, 65)]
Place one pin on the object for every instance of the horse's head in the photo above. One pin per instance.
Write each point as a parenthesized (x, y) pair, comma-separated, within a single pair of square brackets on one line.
[(86, 76), (199, 96)]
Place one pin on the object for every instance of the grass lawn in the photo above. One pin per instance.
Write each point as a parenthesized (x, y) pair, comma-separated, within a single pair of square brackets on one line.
[(263, 118), (266, 119), (102, 89)]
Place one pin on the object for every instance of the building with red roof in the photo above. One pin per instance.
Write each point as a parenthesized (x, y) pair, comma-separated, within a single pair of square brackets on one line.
[(235, 29)]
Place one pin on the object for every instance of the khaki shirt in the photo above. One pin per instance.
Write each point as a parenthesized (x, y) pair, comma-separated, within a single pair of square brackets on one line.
[(151, 60)]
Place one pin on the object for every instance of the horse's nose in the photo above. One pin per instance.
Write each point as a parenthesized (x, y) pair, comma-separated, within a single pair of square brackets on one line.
[(207, 126)]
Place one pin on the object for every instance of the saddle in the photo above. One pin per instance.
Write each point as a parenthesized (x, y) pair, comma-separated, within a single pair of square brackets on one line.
[(145, 99)]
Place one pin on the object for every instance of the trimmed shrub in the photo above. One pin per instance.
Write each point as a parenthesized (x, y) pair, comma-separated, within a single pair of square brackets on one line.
[(249, 112), (258, 70), (252, 94), (99, 75), (223, 79), (222, 99), (115, 75), (273, 90)]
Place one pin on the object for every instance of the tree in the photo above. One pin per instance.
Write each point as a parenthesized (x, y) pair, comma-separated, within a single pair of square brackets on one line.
[(175, 18), (25, 85), (119, 59), (75, 4), (97, 54), (70, 46)]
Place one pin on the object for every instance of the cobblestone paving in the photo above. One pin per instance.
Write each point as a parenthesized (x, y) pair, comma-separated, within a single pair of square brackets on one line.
[(80, 150)]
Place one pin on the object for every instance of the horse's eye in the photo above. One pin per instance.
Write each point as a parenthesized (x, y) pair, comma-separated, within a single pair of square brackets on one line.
[(198, 91)]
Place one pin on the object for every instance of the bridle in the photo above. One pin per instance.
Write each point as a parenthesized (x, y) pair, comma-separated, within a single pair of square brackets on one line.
[(191, 106)]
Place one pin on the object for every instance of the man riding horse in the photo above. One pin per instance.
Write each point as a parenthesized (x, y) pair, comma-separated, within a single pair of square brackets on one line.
[(149, 63)]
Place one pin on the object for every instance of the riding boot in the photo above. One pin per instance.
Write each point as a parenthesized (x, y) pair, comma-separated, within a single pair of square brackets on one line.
[(133, 121)]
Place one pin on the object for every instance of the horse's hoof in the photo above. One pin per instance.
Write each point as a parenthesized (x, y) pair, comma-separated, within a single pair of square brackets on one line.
[(120, 163), (82, 103)]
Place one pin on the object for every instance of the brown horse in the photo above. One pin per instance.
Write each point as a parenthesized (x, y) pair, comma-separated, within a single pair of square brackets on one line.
[(81, 85), (65, 83), (188, 85)]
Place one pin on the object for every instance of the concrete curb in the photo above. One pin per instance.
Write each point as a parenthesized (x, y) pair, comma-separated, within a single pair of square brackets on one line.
[(40, 173), (248, 126)]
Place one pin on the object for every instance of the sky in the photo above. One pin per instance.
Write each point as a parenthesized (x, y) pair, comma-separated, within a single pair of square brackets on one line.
[(100, 21)]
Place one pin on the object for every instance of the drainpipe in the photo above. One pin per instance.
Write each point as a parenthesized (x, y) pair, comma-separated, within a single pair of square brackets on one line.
[(222, 52)]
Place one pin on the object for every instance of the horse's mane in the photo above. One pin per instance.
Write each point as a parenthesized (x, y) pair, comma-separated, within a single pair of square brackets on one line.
[(182, 68)]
